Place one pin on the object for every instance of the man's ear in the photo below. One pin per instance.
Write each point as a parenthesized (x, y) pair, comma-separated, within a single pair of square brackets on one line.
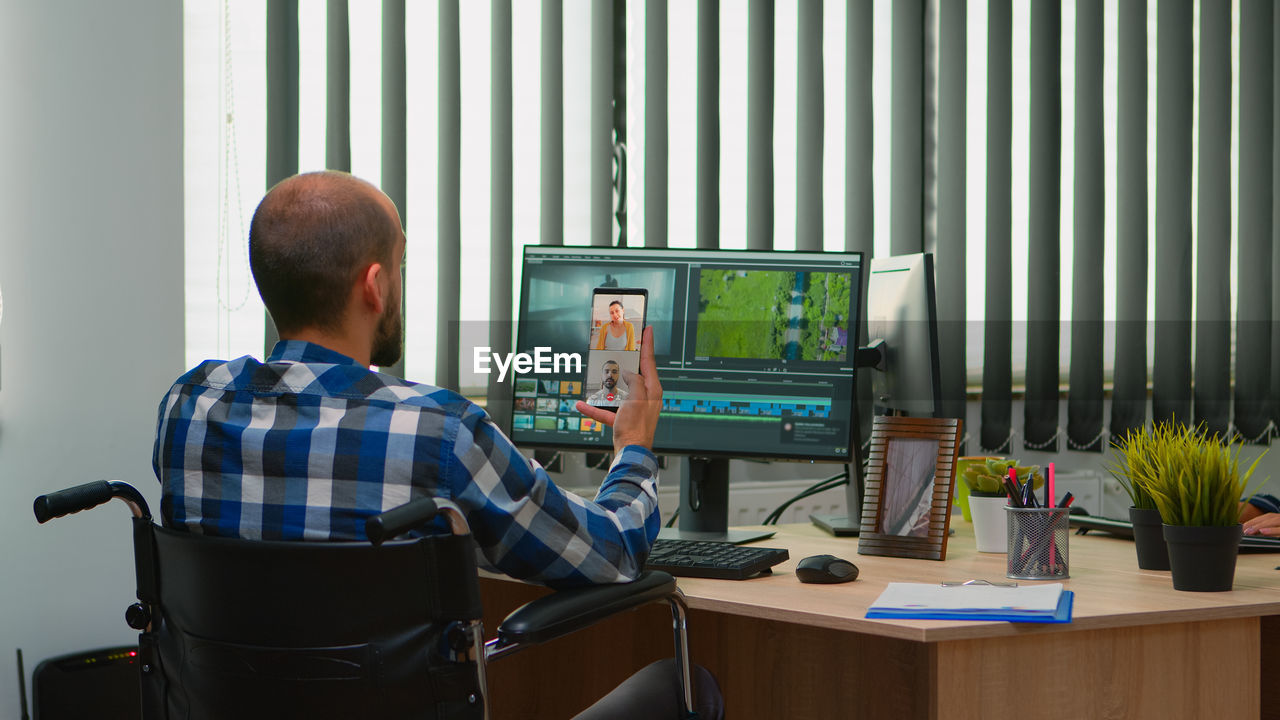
[(371, 291)]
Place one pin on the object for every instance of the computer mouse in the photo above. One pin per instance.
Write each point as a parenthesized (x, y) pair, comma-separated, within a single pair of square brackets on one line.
[(826, 569)]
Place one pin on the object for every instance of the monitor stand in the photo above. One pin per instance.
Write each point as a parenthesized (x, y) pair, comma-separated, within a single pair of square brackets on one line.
[(704, 506), (850, 524), (838, 525)]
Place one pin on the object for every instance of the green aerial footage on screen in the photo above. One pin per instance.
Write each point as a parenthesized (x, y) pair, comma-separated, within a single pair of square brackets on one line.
[(771, 314)]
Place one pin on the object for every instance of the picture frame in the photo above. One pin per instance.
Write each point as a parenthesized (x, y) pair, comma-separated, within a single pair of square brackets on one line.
[(910, 480)]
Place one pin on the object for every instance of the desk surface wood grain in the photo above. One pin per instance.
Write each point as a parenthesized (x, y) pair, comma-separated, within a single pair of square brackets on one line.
[(1111, 591), (782, 649)]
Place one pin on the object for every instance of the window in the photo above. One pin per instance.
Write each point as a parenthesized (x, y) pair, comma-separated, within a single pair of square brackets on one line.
[(224, 83)]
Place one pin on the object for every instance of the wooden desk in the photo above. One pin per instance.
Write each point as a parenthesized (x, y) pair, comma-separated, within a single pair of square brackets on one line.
[(1136, 648)]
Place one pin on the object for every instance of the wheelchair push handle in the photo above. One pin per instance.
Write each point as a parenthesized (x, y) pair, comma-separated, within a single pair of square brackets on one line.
[(400, 520), (413, 515), (86, 496)]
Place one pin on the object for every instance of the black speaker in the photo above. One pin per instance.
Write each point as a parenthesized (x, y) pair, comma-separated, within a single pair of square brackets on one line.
[(101, 684)]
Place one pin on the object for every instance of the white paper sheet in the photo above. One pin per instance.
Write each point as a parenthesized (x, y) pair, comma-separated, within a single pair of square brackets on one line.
[(932, 596)]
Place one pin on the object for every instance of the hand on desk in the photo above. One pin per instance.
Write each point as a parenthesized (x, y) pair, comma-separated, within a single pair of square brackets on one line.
[(1262, 524)]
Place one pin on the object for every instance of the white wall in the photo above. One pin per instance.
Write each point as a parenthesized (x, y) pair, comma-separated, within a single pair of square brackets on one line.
[(91, 271), (1266, 477)]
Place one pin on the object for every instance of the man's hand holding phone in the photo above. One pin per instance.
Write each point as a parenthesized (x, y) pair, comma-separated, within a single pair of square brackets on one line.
[(636, 420)]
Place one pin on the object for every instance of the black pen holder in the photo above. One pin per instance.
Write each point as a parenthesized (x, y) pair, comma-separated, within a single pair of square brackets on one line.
[(1038, 543)]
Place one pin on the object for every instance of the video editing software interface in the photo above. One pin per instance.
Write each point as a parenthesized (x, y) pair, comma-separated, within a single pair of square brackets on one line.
[(755, 350)]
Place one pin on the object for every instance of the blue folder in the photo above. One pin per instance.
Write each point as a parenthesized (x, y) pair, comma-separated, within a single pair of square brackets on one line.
[(1060, 615)]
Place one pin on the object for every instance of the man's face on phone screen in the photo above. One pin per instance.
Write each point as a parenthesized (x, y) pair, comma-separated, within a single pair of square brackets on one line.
[(610, 375)]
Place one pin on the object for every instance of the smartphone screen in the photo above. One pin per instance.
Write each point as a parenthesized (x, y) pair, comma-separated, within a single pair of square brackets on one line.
[(617, 324)]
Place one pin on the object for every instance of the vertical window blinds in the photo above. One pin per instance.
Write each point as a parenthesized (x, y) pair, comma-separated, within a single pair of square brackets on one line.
[(1202, 204)]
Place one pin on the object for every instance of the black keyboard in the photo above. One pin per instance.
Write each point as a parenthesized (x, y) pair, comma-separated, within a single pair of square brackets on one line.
[(1124, 529), (707, 559)]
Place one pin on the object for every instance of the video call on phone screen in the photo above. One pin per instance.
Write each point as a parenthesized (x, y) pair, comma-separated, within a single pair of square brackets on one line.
[(617, 322)]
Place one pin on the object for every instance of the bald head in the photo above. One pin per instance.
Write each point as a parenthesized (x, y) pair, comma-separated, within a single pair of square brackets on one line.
[(309, 240)]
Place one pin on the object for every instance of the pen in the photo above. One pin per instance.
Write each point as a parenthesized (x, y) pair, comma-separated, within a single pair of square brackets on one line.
[(1067, 499), (1053, 544), (1048, 498), (1012, 491), (1011, 488)]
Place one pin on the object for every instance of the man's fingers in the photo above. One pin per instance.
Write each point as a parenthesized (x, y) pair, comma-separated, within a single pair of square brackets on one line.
[(596, 413), (1265, 524), (635, 383), (648, 366)]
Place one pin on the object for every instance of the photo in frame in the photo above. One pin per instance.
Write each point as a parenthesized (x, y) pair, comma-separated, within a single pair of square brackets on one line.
[(906, 509)]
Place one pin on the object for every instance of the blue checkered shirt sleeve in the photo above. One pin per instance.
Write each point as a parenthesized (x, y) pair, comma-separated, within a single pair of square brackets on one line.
[(1265, 503), (529, 528)]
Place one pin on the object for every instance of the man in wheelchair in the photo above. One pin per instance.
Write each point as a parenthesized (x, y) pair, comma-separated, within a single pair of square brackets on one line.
[(310, 443)]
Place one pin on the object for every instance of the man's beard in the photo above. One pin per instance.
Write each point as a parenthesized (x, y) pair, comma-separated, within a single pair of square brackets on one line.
[(610, 383), (388, 342)]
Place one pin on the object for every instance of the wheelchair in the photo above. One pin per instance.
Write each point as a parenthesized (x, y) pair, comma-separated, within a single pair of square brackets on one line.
[(381, 629)]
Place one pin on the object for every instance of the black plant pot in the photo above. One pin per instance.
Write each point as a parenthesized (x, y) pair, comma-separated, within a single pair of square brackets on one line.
[(1203, 558), (1148, 538)]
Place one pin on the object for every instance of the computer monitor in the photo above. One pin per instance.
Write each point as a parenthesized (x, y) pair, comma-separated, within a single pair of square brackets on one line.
[(755, 351), (901, 354), (902, 322)]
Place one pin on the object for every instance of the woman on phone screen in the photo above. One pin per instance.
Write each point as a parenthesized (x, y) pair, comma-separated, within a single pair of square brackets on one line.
[(618, 333)]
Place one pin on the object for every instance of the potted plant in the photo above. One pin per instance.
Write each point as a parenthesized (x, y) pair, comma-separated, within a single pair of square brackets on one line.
[(962, 488), (1198, 492), (987, 499), (1139, 455)]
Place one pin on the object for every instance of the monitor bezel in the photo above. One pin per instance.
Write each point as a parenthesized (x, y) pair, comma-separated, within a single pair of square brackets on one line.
[(852, 456)]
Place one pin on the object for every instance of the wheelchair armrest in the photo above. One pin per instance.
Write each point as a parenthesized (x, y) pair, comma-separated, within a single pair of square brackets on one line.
[(567, 611)]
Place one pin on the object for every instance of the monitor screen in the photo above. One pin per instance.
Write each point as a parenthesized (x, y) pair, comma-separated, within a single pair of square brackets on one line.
[(754, 349)]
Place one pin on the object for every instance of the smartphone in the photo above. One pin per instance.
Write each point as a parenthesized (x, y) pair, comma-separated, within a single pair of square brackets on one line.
[(617, 326)]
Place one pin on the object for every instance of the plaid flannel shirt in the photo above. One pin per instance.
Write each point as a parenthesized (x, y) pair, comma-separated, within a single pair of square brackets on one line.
[(309, 444)]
